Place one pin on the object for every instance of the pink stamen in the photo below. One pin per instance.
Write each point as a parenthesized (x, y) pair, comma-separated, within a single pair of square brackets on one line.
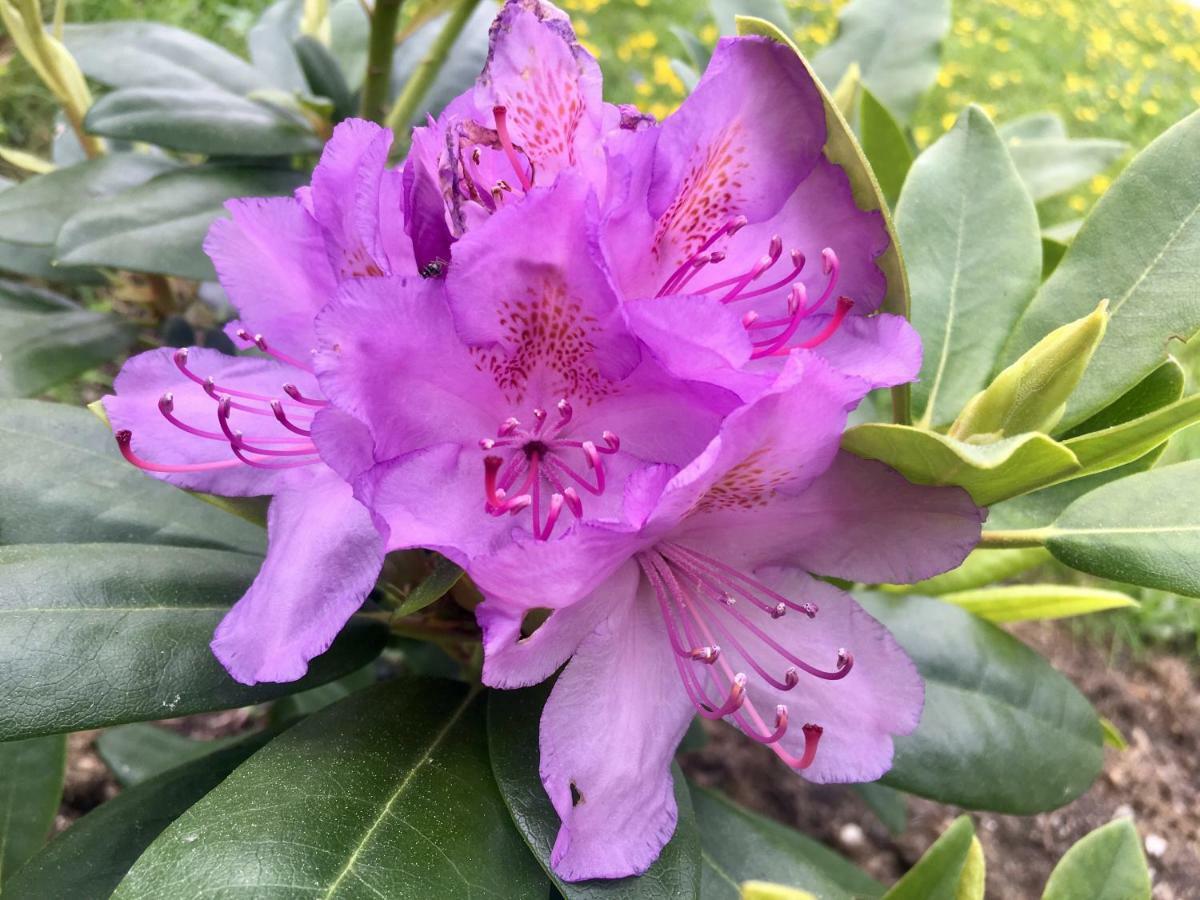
[(510, 149), (294, 392), (277, 408), (261, 343), (730, 228), (125, 439)]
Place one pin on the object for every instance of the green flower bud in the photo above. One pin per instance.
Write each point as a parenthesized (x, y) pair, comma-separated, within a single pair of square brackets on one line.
[(1032, 393)]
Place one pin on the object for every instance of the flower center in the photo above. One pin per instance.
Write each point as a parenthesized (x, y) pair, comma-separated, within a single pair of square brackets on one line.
[(700, 599), (769, 336), (523, 463), (284, 443)]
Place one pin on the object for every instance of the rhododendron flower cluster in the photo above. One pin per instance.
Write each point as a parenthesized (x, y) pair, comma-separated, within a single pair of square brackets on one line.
[(604, 364)]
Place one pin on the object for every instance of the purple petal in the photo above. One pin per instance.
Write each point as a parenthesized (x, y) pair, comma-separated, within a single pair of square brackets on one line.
[(424, 203), (390, 357), (553, 318), (513, 661), (135, 407), (359, 203), (323, 556), (270, 259), (880, 698), (739, 145), (860, 520), (609, 732), (549, 85)]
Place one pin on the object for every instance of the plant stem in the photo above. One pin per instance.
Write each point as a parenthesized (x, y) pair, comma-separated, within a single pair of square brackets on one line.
[(418, 85), (1014, 539), (902, 404), (379, 59)]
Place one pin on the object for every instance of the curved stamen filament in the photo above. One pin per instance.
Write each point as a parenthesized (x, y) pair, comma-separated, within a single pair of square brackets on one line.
[(730, 228), (510, 150), (261, 343), (125, 439)]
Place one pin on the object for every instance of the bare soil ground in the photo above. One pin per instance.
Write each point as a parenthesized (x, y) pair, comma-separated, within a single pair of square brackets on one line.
[(1155, 703)]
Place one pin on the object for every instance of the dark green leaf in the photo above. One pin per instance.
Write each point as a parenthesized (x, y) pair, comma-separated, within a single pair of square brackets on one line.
[(1105, 865), (64, 481), (885, 145), (198, 120), (513, 718), (1001, 729), (323, 76), (46, 338), (937, 874), (31, 781), (740, 846), (135, 621), (148, 54), (35, 210), (1123, 443), (1138, 530), (350, 28), (160, 226), (436, 585), (1052, 254), (971, 242), (139, 751), (1158, 389), (1142, 270), (698, 54), (897, 53), (387, 793), (37, 261), (90, 858), (297, 706)]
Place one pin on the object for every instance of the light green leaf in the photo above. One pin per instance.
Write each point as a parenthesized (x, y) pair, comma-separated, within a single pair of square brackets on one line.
[(885, 145), (973, 879), (971, 243), (87, 861), (139, 751), (513, 719), (1026, 602), (160, 225), (1052, 166), (194, 120), (1139, 530), (1112, 735), (1035, 126), (992, 707), (46, 338), (387, 793), (270, 44), (1143, 271), (1105, 865), (740, 846), (989, 472), (982, 566), (898, 54), (1120, 444), (765, 890), (725, 12), (31, 782), (938, 873)]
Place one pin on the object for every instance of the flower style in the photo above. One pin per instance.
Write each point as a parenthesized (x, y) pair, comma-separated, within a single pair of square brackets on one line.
[(702, 601), (245, 426)]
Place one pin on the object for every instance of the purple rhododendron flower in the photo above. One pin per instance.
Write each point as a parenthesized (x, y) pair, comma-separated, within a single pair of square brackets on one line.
[(246, 426), (536, 111)]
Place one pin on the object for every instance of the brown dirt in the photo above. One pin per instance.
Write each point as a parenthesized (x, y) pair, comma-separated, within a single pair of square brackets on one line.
[(1155, 704)]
